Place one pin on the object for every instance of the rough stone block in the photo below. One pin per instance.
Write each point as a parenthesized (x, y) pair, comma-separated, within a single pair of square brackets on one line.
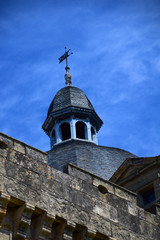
[(128, 221), (78, 173), (123, 193), (108, 186), (120, 233), (3, 153), (36, 155), (19, 147), (132, 208), (102, 211), (158, 209), (100, 224), (149, 230), (117, 202), (7, 140), (2, 165), (137, 237), (5, 235)]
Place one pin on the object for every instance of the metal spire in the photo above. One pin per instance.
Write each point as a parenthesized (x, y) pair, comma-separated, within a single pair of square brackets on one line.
[(67, 75)]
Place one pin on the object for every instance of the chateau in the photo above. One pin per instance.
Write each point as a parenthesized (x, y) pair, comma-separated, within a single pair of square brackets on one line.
[(78, 189)]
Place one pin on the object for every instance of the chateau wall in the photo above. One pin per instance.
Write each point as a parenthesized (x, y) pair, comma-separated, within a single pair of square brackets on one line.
[(39, 202)]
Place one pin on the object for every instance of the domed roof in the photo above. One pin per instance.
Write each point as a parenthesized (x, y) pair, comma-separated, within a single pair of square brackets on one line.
[(69, 96), (100, 160)]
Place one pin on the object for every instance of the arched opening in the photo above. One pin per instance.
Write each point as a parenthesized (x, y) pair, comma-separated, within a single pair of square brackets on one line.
[(93, 134), (102, 189), (80, 130), (65, 131)]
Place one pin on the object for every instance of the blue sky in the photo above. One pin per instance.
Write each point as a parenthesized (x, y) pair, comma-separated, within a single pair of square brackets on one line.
[(116, 62)]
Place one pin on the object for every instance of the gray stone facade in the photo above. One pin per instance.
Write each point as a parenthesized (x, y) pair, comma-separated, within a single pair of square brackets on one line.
[(41, 202)]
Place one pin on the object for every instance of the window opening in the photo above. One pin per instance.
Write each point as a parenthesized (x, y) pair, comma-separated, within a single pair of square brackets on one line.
[(80, 130), (3, 145), (66, 131), (148, 196), (77, 234), (102, 189)]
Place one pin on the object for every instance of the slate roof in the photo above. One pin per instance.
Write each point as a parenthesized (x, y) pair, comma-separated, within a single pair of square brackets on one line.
[(69, 96), (100, 160)]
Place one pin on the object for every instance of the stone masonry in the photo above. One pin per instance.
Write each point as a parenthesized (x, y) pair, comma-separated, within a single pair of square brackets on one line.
[(39, 202)]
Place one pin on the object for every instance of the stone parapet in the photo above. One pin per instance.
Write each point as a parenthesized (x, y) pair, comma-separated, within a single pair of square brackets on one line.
[(17, 146), (40, 202)]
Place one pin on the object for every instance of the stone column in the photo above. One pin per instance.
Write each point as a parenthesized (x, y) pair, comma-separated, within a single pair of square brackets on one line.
[(57, 133), (52, 139), (95, 139), (89, 138), (73, 128)]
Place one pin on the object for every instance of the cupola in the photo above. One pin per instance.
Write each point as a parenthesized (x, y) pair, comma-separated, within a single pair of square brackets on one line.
[(71, 115), (72, 125)]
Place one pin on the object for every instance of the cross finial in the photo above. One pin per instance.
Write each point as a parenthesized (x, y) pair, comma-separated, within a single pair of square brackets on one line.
[(67, 75)]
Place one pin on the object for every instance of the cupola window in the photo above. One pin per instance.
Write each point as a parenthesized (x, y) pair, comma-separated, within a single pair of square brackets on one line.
[(81, 130), (65, 131)]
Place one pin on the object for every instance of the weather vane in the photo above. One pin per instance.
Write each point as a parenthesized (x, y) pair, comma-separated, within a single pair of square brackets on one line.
[(63, 57)]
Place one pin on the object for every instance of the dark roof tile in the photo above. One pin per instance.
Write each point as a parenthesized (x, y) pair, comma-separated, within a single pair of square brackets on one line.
[(69, 96)]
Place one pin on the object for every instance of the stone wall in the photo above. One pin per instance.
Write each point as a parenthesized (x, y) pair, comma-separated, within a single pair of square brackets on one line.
[(39, 202)]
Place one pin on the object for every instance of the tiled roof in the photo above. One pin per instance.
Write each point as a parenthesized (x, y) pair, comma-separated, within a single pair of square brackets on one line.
[(69, 96)]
